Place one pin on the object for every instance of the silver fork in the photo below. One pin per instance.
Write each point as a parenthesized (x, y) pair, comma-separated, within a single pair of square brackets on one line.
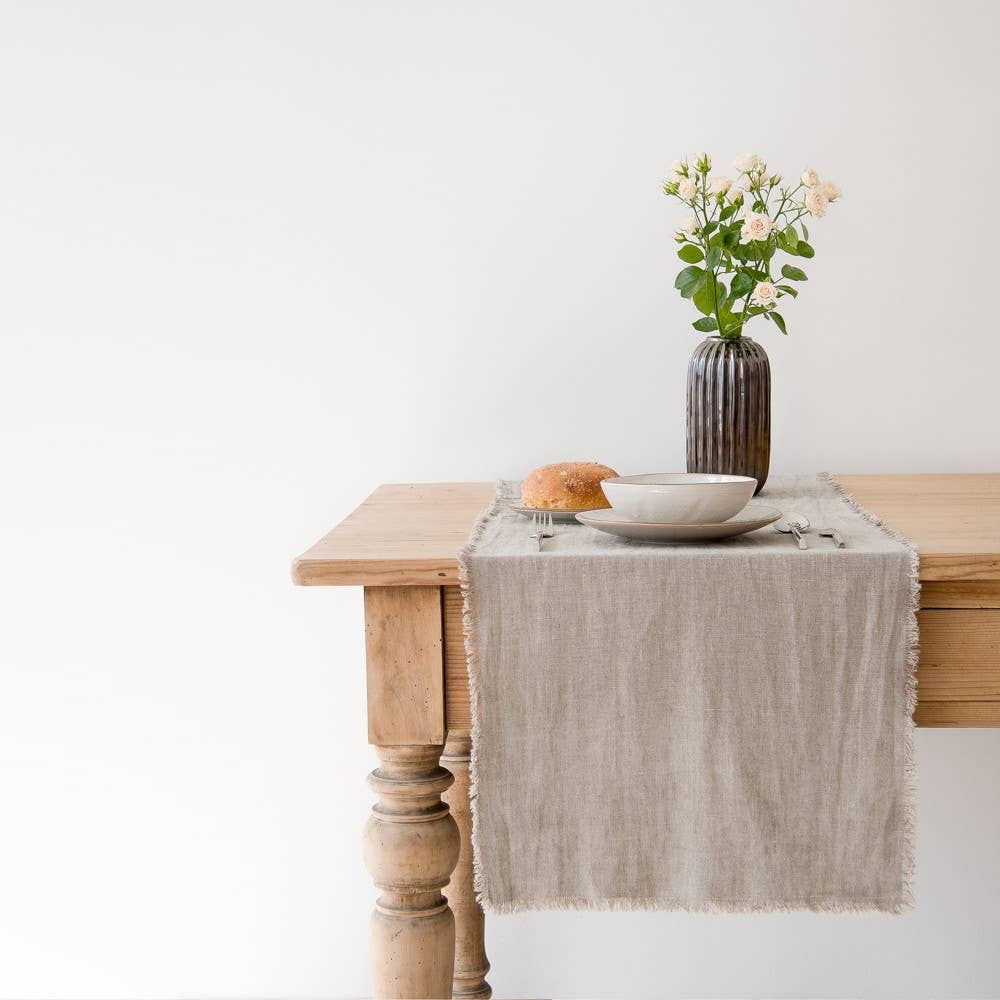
[(541, 527)]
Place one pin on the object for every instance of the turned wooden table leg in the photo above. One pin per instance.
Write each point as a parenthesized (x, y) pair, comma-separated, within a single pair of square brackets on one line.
[(471, 964), (411, 845)]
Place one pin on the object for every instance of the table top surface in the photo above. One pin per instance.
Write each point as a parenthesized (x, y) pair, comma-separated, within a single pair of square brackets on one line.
[(409, 534)]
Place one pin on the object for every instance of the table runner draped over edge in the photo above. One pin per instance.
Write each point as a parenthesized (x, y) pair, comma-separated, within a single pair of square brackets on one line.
[(905, 742)]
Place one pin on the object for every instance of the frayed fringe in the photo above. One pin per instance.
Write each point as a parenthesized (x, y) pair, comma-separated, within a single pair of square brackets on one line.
[(469, 632), (701, 906), (909, 862)]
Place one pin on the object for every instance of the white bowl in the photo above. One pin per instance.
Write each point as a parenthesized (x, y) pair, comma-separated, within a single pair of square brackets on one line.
[(679, 497)]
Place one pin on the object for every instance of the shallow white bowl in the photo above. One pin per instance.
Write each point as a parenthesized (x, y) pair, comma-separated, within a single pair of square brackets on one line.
[(679, 497)]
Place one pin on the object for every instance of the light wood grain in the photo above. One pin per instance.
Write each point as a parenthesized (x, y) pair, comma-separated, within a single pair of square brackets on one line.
[(959, 655), (411, 846), (961, 594), (411, 534), (402, 534), (458, 712), (958, 714), (471, 964), (952, 518), (405, 666)]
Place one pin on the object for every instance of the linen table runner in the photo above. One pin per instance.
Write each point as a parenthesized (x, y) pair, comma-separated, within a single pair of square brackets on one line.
[(720, 727)]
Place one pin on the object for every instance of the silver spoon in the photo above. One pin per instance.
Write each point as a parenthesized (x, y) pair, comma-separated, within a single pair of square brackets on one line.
[(794, 524)]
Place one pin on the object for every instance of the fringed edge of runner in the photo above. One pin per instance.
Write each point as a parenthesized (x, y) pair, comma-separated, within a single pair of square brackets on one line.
[(469, 633), (908, 895)]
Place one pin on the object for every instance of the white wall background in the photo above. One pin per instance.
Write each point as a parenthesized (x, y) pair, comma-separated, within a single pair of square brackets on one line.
[(255, 259)]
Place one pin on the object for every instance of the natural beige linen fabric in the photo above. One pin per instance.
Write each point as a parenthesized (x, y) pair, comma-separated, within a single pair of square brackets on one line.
[(722, 726)]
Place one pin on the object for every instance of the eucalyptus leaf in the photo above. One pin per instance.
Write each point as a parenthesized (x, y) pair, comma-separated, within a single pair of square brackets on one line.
[(805, 250), (805, 232), (690, 254), (793, 273), (706, 324)]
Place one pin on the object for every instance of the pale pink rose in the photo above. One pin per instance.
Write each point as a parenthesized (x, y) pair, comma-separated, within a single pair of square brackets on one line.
[(809, 177), (719, 185), (747, 162), (829, 190), (765, 294), (756, 226), (745, 182), (687, 188), (816, 202), (689, 225), (734, 195)]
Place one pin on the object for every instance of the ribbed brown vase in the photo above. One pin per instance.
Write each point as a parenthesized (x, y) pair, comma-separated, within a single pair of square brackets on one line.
[(729, 409)]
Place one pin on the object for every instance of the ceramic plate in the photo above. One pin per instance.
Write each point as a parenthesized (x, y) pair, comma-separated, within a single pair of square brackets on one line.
[(558, 516), (613, 521)]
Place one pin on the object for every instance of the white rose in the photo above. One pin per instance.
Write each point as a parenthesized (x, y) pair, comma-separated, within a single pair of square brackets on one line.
[(687, 188), (745, 182), (809, 177), (679, 237), (816, 202), (679, 167), (829, 190), (747, 162), (689, 225), (734, 195), (765, 294), (756, 226), (719, 185)]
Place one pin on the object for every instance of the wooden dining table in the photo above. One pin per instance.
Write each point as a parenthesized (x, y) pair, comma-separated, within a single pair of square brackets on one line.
[(401, 546)]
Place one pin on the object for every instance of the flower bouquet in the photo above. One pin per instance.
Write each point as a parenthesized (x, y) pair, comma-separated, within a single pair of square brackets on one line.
[(730, 240)]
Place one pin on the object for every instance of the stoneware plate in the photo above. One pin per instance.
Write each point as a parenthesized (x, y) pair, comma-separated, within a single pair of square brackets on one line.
[(750, 518), (558, 516)]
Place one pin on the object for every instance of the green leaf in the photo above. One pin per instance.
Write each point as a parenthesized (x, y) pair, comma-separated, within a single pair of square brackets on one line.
[(690, 280), (711, 228), (759, 206), (805, 232), (793, 273), (779, 322), (690, 277), (788, 290), (727, 213), (805, 250), (791, 237), (714, 256), (742, 284), (705, 297), (731, 238), (706, 324), (690, 254)]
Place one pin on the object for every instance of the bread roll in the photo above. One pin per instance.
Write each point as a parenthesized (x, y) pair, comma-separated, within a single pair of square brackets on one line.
[(566, 486)]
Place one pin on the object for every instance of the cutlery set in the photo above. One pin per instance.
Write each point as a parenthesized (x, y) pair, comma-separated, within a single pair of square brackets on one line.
[(798, 525)]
